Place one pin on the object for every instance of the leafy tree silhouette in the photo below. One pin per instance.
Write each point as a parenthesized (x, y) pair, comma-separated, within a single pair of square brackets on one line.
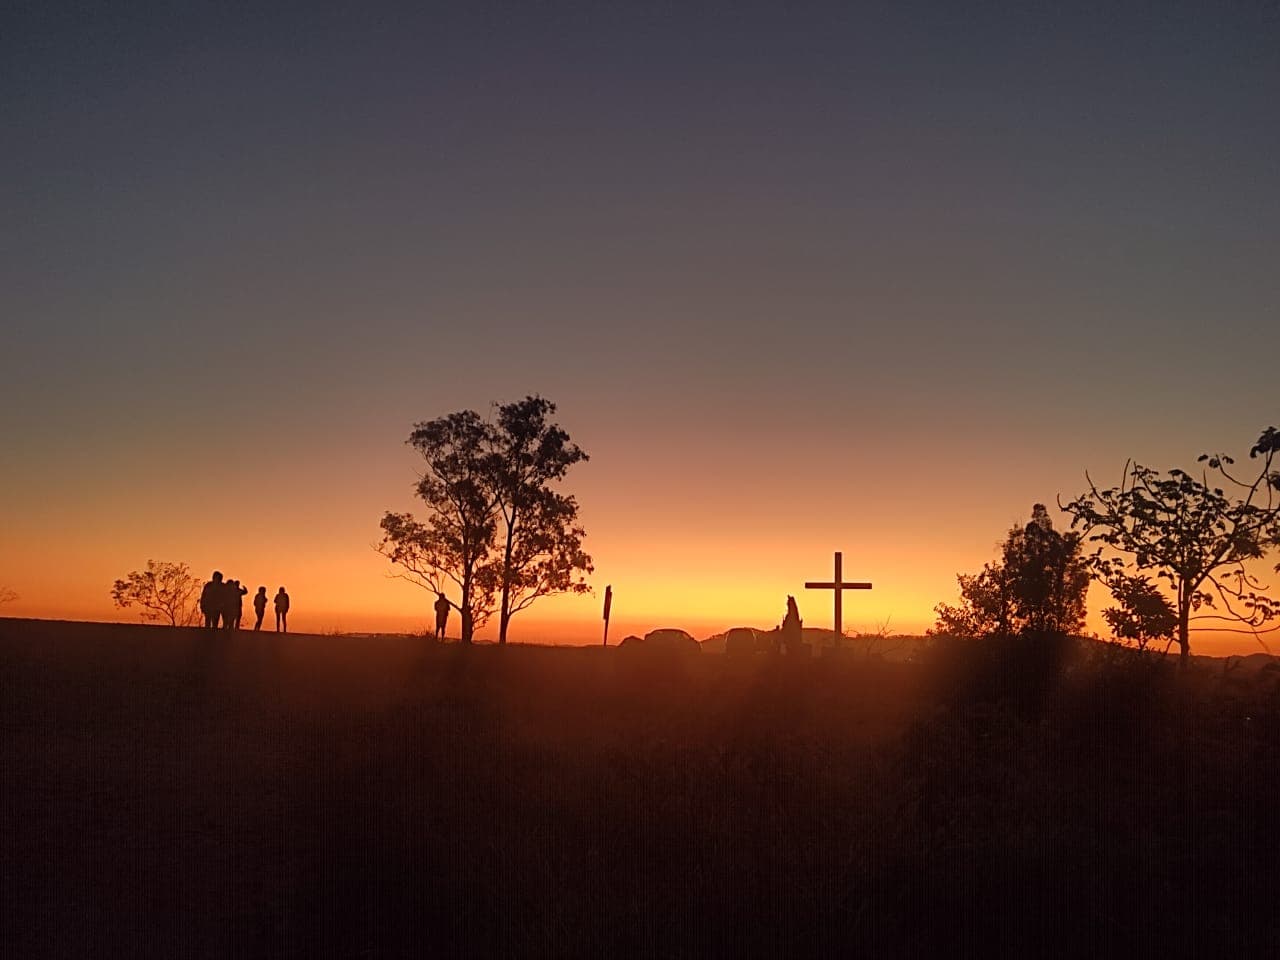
[(542, 542), (1036, 587), (7, 595), (1195, 536), (165, 592), (453, 544), (488, 482), (546, 555), (1144, 613)]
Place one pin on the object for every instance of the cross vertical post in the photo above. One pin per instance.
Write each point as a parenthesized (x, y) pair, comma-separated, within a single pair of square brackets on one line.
[(838, 586), (838, 580)]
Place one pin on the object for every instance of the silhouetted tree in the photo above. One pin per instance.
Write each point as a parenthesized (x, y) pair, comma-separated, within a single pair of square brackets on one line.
[(454, 542), (545, 556), (1191, 534), (489, 483), (542, 543), (7, 595), (1144, 613), (984, 609), (164, 591), (1037, 586)]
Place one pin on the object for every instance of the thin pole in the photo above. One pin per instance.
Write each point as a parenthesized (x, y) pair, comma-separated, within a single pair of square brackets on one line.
[(839, 592)]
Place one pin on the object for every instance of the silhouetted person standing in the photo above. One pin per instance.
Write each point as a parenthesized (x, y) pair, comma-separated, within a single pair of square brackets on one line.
[(442, 614), (282, 612), (211, 600), (259, 607), (226, 603), (235, 604), (792, 629)]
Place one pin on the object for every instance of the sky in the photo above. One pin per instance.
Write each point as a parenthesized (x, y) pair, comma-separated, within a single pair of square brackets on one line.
[(799, 277)]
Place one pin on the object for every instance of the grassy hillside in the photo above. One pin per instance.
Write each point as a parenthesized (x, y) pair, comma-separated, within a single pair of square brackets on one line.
[(170, 794)]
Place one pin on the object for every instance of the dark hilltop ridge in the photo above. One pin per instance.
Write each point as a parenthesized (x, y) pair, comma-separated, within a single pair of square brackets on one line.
[(170, 794), (881, 645)]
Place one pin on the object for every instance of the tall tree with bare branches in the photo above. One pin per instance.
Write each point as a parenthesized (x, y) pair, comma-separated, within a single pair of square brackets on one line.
[(1194, 535)]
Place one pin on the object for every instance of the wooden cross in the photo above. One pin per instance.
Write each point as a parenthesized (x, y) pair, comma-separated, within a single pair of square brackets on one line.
[(838, 585)]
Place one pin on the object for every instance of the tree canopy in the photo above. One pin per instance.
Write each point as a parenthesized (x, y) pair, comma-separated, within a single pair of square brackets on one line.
[(541, 539), (1198, 535), (1036, 587), (494, 531)]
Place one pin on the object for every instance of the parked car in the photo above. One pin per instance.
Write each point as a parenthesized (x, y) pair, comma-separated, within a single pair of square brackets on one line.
[(672, 639), (740, 642)]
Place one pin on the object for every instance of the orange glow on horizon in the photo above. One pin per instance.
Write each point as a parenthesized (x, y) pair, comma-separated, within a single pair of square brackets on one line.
[(707, 596), (718, 540)]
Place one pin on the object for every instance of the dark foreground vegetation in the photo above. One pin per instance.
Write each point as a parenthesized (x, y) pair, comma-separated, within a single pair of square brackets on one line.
[(170, 793)]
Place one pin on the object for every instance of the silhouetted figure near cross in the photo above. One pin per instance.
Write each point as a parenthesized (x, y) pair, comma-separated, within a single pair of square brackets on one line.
[(791, 633), (839, 586)]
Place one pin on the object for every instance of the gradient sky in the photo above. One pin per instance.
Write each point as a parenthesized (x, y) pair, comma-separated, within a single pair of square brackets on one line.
[(801, 277)]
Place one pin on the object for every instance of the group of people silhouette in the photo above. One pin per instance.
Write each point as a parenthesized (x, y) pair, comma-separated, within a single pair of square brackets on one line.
[(222, 603)]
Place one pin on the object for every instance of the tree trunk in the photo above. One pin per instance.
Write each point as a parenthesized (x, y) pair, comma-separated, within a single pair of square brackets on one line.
[(1184, 631), (504, 617), (465, 610)]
